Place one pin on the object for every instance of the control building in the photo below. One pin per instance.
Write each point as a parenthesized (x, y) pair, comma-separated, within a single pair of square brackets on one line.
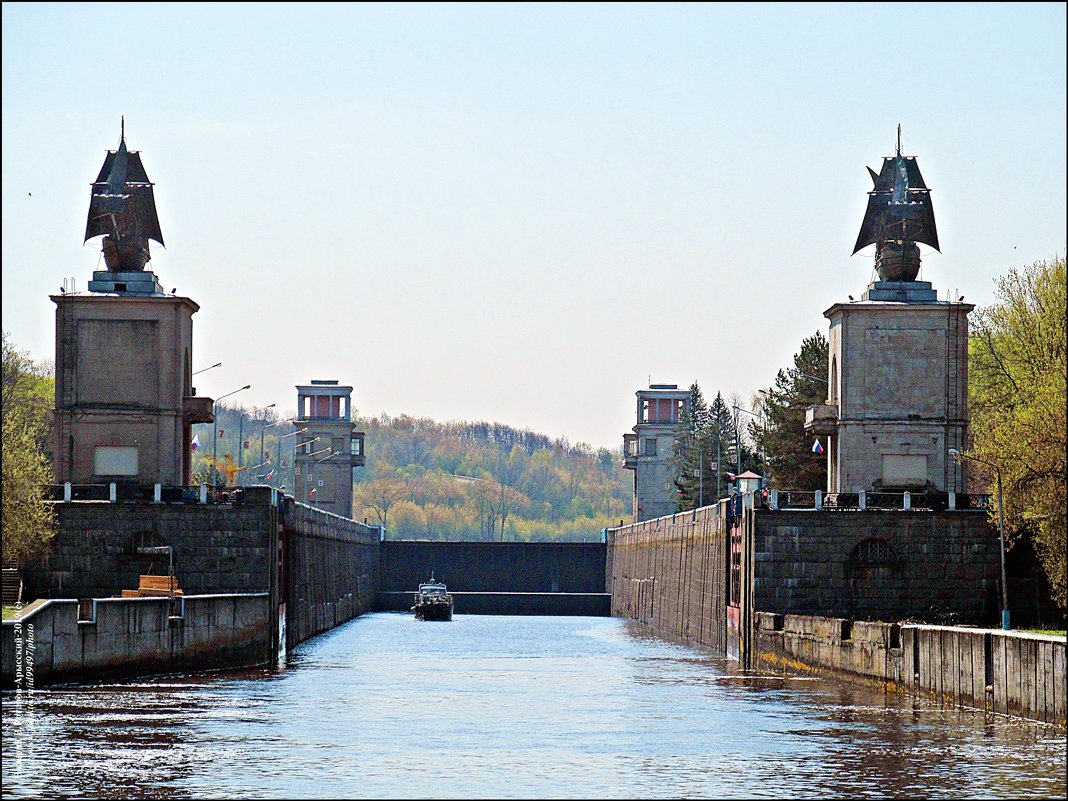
[(649, 450)]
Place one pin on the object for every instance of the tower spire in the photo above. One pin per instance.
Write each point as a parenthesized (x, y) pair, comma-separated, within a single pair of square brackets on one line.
[(899, 140), (122, 131)]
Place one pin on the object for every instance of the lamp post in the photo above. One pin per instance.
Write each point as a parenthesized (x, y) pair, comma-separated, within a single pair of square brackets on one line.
[(241, 434), (737, 434), (957, 457), (270, 425), (309, 478), (217, 364), (215, 424)]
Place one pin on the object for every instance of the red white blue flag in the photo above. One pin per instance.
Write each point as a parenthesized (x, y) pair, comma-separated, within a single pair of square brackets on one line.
[(817, 447), (195, 443)]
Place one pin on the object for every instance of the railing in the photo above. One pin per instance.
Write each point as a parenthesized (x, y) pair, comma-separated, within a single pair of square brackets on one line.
[(142, 493), (882, 501)]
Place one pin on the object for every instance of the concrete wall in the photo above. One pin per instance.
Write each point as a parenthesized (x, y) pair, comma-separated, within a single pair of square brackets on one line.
[(671, 573), (218, 548), (589, 604), (123, 637), (331, 570), (528, 567), (877, 565), (1013, 673)]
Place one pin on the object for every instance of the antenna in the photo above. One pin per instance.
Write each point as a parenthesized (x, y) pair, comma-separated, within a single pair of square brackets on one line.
[(122, 124), (899, 139)]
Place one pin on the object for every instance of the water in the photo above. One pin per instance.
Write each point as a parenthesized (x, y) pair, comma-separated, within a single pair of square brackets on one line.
[(511, 707)]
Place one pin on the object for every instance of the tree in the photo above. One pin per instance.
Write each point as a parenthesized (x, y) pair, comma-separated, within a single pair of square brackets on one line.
[(690, 460), (28, 520), (380, 496), (789, 460), (1017, 395)]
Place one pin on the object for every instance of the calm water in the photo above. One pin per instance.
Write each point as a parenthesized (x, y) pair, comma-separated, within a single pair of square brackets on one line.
[(505, 707)]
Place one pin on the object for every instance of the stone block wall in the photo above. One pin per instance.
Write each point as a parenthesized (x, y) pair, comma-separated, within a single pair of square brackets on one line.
[(877, 565), (671, 573), (331, 570), (218, 548)]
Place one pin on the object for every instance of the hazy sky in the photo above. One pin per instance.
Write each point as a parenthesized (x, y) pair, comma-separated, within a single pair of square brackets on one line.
[(522, 213)]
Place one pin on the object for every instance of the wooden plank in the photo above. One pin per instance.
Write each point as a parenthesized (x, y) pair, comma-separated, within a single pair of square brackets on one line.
[(1045, 672)]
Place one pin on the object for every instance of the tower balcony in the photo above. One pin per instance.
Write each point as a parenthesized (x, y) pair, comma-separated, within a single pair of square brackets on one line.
[(198, 410), (821, 419), (630, 451)]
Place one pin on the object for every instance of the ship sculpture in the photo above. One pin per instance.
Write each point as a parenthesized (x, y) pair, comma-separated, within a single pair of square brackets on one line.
[(122, 208), (899, 215)]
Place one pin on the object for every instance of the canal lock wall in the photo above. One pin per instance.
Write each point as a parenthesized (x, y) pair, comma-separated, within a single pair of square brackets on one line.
[(310, 571), (64, 640), (1006, 672), (804, 589)]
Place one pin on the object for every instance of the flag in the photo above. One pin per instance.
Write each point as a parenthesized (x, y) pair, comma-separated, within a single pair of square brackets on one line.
[(269, 475), (195, 443), (816, 446)]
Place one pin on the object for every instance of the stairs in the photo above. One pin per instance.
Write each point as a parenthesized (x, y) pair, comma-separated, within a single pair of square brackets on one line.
[(12, 583)]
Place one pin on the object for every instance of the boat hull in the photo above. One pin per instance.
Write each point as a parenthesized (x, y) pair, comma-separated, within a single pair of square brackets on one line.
[(433, 611)]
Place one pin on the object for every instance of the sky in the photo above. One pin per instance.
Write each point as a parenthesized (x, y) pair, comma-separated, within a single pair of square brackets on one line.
[(522, 213)]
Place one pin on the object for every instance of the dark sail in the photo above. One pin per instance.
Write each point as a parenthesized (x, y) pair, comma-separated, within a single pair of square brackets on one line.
[(899, 215), (122, 208), (899, 207)]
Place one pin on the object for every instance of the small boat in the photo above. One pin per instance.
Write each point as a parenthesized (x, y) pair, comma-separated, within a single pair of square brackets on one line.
[(432, 601)]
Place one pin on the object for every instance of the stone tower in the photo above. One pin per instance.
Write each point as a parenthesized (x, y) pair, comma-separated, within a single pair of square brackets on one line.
[(125, 403), (898, 357), (329, 448), (648, 451)]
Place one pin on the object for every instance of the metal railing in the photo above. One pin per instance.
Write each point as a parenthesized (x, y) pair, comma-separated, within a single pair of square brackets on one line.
[(876, 501), (142, 493)]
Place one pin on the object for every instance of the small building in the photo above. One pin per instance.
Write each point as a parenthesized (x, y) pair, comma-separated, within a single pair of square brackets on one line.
[(328, 448), (649, 449)]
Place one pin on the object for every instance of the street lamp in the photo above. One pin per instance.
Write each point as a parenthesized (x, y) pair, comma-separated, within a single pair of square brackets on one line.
[(309, 478), (957, 456), (215, 424), (269, 425), (737, 433), (241, 434), (217, 364)]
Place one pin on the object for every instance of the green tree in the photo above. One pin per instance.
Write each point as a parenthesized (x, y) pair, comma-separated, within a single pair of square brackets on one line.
[(788, 458), (1017, 395), (28, 519), (691, 460)]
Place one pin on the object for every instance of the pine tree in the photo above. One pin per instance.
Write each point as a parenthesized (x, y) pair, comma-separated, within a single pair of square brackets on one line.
[(789, 460), (690, 435)]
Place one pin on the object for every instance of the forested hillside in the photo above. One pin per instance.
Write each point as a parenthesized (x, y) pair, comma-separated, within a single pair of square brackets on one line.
[(458, 481), (426, 479)]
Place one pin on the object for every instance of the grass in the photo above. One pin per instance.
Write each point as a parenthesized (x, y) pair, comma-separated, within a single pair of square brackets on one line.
[(1052, 632)]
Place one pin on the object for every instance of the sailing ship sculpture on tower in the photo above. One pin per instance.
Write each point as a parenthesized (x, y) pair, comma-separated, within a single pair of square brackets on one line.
[(899, 215), (122, 208)]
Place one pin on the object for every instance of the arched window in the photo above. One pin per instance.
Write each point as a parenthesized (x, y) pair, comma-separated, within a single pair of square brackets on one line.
[(874, 552)]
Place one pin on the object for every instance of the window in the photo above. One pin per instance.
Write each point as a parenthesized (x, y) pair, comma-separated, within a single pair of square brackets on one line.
[(873, 552), (650, 446)]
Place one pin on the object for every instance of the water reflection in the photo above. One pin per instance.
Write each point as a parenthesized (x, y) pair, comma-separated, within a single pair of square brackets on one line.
[(512, 707)]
